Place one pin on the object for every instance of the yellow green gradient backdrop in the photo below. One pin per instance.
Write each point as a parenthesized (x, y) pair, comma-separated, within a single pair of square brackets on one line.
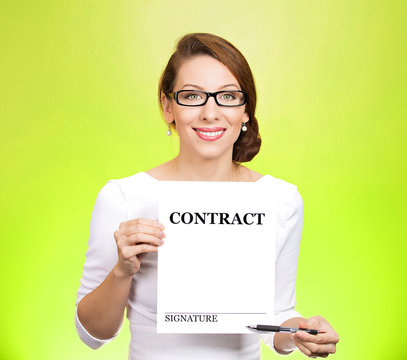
[(78, 107)]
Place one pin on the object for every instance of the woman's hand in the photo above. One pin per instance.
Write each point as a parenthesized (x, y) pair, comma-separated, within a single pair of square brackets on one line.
[(320, 345), (134, 238)]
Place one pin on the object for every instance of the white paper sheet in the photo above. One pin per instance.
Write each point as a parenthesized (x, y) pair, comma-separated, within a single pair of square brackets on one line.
[(215, 277)]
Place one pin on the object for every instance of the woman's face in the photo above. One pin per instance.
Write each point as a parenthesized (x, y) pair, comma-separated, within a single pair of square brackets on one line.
[(208, 131)]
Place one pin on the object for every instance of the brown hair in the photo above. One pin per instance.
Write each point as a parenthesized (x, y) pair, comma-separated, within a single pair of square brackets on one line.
[(248, 143)]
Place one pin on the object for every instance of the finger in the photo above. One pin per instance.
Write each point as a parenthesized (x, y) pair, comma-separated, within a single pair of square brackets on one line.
[(130, 266), (320, 350), (318, 322), (144, 248), (330, 337), (144, 229), (136, 260), (315, 322), (315, 348), (140, 256), (131, 251), (303, 324), (143, 221), (301, 347), (144, 238), (305, 349)]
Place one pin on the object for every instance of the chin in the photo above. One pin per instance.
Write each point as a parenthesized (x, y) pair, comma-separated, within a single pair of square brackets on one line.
[(208, 151), (211, 155)]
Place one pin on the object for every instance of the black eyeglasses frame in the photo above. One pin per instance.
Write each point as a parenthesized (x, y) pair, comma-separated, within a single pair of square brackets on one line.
[(174, 95)]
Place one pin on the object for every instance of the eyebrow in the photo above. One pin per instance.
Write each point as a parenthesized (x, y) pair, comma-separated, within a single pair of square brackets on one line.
[(201, 88)]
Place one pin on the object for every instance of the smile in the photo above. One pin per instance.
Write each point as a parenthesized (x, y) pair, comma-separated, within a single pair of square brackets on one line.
[(210, 134)]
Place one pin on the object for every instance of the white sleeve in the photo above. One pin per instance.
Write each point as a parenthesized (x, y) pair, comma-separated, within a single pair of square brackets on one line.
[(109, 211), (286, 267)]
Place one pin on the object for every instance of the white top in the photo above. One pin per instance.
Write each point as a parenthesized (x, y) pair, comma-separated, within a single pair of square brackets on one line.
[(136, 196)]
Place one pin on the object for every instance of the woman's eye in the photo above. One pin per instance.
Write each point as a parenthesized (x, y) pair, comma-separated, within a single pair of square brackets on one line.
[(193, 96), (228, 97)]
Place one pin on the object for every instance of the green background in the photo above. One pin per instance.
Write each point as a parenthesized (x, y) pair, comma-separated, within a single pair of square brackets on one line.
[(78, 107)]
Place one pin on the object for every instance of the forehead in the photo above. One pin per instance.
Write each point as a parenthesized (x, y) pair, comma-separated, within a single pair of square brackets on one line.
[(204, 71)]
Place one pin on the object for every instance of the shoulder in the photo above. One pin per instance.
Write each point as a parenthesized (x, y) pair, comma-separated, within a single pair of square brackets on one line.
[(131, 197), (162, 171), (249, 175), (129, 186), (140, 177), (281, 191), (279, 184)]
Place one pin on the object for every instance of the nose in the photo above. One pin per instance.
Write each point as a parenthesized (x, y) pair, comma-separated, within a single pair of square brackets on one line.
[(210, 111)]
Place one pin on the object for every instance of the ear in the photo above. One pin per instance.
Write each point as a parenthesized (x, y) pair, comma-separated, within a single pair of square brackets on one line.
[(167, 105)]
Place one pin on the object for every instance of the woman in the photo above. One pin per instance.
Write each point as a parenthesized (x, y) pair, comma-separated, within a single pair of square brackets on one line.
[(207, 95)]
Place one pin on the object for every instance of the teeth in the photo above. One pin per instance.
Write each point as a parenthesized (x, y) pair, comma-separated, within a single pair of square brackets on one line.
[(212, 133)]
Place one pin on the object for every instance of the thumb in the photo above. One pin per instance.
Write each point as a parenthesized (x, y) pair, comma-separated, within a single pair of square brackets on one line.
[(303, 324)]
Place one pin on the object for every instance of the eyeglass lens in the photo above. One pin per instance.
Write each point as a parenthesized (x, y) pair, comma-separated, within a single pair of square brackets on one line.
[(226, 98)]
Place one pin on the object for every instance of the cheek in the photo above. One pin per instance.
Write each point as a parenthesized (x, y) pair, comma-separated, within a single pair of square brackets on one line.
[(186, 116), (235, 117)]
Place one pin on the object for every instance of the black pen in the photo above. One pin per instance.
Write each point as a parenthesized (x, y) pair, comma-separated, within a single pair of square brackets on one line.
[(274, 328)]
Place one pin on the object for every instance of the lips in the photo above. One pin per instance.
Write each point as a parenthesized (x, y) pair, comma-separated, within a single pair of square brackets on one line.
[(210, 134)]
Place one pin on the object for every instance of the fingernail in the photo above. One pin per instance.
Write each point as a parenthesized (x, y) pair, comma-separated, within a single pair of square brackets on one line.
[(162, 235), (161, 226)]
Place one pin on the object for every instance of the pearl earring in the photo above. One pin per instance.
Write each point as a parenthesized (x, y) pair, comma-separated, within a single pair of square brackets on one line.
[(169, 131), (244, 127)]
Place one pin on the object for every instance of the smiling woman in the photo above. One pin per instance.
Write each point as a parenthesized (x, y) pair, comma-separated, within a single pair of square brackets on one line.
[(232, 73), (209, 105), (207, 95)]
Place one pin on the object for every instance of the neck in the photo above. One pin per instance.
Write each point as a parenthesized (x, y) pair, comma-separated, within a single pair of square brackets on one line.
[(219, 169)]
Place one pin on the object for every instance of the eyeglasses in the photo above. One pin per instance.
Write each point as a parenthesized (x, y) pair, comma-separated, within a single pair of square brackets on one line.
[(199, 98)]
